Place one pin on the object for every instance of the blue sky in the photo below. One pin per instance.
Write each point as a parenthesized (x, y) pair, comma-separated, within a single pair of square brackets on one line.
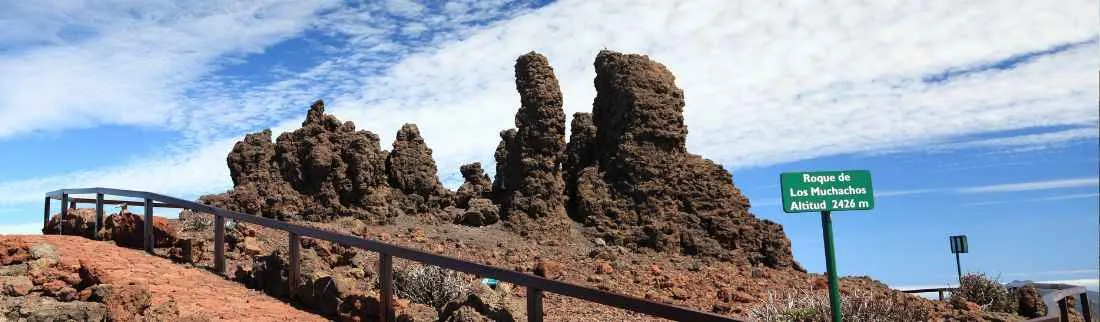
[(975, 118)]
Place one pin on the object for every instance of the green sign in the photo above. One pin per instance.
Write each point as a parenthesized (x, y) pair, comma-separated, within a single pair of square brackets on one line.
[(826, 191)]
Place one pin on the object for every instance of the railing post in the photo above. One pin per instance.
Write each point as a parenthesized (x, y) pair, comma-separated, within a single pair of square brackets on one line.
[(1086, 308), (941, 294), (219, 244), (98, 215), (1063, 309), (534, 305), (46, 214), (148, 229), (64, 212), (385, 263), (295, 263)]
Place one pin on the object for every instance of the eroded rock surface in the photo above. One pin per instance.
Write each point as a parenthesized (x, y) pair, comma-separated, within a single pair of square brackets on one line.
[(633, 182), (327, 169), (528, 183)]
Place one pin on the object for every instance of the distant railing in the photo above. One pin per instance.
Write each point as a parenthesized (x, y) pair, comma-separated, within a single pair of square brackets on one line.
[(939, 290), (1052, 299), (535, 285)]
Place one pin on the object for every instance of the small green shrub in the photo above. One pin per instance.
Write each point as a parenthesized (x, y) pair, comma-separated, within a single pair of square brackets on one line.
[(989, 294), (196, 221), (813, 306)]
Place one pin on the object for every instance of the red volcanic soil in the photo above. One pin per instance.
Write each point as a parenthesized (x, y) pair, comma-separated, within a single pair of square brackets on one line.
[(197, 293)]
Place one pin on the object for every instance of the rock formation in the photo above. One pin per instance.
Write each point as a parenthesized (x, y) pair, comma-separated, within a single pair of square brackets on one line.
[(625, 175), (412, 170), (327, 169), (529, 184), (632, 181), (476, 185)]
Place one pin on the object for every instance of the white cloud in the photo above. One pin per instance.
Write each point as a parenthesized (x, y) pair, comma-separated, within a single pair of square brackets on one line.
[(765, 82), (133, 62), (1034, 185), (178, 173)]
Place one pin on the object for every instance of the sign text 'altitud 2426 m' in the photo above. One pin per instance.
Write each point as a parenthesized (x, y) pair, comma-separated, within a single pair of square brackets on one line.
[(826, 191)]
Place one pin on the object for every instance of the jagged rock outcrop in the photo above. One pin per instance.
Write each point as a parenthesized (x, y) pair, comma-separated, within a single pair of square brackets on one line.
[(529, 184), (476, 185), (412, 170), (633, 182), (327, 169)]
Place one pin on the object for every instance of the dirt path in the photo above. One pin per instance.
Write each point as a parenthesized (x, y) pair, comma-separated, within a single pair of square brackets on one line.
[(194, 290)]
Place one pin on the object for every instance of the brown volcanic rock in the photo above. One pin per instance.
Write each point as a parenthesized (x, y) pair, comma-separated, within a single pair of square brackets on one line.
[(79, 221), (1030, 302), (128, 230), (633, 182), (412, 170), (324, 169), (529, 184), (477, 185)]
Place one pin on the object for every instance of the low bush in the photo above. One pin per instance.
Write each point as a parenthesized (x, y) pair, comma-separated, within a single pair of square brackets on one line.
[(987, 292), (860, 305), (429, 285)]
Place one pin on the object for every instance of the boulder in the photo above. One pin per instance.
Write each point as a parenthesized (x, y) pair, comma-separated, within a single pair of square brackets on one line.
[(77, 222), (124, 302), (476, 185), (128, 230), (35, 309), (480, 212), (1030, 302), (16, 285), (417, 312), (498, 305)]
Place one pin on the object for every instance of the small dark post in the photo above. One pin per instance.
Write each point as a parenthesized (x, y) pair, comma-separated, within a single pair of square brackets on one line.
[(941, 295), (385, 261), (959, 246), (46, 214), (219, 244), (1063, 310), (295, 263), (148, 229), (534, 305), (64, 212), (1086, 308), (98, 215)]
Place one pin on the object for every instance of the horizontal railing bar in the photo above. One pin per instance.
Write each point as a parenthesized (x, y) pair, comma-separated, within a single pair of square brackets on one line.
[(528, 280), (929, 290), (126, 202)]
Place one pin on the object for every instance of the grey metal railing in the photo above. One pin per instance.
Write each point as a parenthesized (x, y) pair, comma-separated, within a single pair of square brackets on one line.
[(1052, 299), (535, 285)]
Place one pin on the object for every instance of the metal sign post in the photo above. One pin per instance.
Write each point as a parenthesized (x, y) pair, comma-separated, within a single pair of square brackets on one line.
[(959, 246), (825, 192)]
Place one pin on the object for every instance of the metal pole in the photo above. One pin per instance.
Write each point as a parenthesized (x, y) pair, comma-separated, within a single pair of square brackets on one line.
[(46, 214), (534, 305), (830, 263), (219, 244), (1063, 310), (98, 215), (148, 233), (958, 267), (386, 276), (295, 264), (64, 212)]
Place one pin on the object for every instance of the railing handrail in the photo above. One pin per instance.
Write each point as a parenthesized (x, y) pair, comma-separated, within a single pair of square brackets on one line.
[(531, 281)]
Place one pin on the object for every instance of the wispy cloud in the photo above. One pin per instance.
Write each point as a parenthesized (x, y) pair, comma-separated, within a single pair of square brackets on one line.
[(759, 89), (1034, 185), (32, 228)]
